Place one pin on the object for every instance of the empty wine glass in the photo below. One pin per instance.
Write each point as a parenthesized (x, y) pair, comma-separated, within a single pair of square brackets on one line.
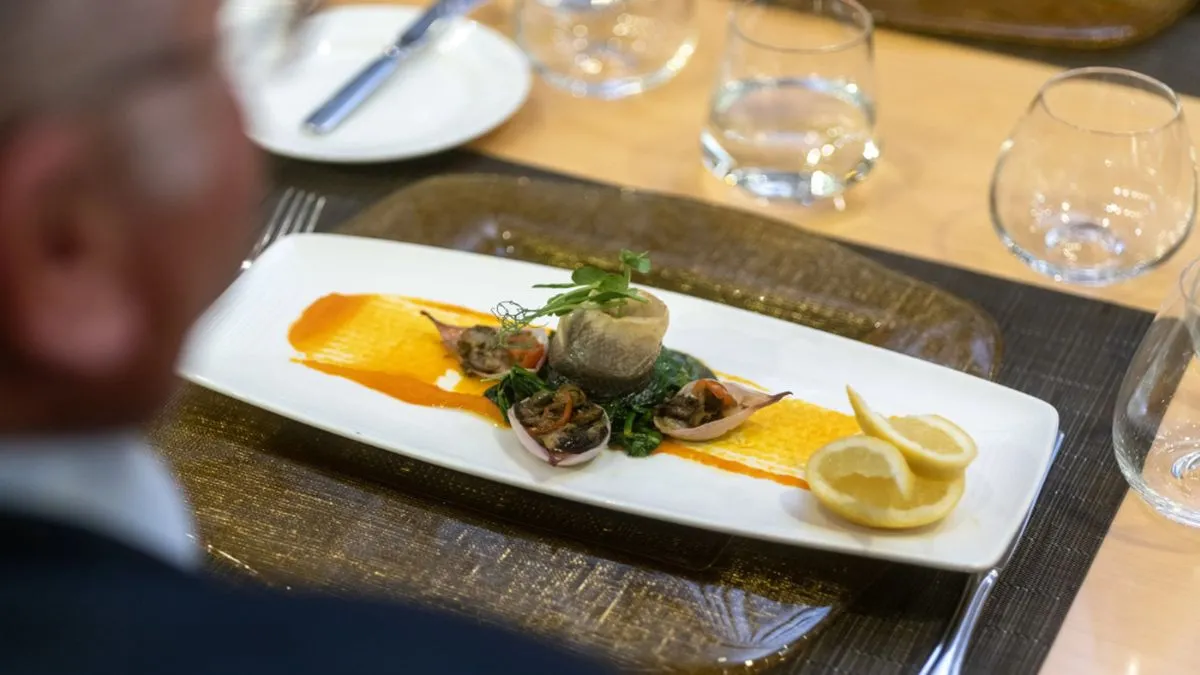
[(1097, 183), (1156, 426), (606, 49)]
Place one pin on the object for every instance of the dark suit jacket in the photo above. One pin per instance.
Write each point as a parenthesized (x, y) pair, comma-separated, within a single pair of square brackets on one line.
[(73, 603)]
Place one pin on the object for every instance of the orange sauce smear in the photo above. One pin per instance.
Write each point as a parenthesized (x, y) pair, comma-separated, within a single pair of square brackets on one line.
[(775, 443), (694, 455), (384, 343), (411, 390)]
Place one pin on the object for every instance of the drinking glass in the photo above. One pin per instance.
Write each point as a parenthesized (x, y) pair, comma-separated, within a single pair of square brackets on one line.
[(606, 48), (1156, 425), (1097, 183), (792, 116)]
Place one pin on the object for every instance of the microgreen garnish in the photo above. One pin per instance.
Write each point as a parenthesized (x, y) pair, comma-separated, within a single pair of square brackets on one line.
[(590, 287)]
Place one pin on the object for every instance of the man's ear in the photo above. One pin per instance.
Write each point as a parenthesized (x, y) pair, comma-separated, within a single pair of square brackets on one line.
[(68, 304)]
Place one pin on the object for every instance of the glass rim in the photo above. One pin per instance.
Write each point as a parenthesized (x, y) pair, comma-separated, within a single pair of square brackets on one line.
[(863, 34), (1189, 294), (1155, 85)]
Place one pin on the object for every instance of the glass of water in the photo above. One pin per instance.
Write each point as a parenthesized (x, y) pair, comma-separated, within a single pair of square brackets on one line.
[(793, 114), (1156, 425), (606, 49), (1097, 182)]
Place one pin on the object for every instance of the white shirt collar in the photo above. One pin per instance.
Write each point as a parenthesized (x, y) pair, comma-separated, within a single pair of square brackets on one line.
[(112, 485)]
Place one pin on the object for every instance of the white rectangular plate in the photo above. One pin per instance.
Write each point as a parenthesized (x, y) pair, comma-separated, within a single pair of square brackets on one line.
[(240, 348)]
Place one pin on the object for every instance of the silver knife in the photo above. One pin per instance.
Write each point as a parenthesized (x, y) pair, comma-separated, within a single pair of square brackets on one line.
[(368, 81), (948, 656)]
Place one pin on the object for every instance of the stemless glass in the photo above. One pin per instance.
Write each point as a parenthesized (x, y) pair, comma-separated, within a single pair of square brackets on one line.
[(606, 49), (1156, 426), (1097, 183), (793, 113)]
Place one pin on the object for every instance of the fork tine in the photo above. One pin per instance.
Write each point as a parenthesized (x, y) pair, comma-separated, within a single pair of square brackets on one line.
[(315, 218), (277, 218), (301, 214), (297, 212), (299, 206)]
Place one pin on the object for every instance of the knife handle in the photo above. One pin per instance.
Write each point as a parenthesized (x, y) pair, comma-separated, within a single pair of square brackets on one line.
[(327, 118), (954, 650)]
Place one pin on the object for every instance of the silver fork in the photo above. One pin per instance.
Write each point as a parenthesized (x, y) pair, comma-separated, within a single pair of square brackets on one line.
[(297, 212), (948, 656)]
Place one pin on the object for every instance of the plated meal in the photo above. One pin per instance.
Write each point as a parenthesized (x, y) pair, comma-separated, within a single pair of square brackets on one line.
[(603, 379), (607, 392)]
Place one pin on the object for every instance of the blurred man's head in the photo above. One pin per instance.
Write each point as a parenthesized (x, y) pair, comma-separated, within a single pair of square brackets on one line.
[(126, 193)]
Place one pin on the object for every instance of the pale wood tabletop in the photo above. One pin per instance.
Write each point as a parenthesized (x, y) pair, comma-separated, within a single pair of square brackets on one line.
[(944, 110)]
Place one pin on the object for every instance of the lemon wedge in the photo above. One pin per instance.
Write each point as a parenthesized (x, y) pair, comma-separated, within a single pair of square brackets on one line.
[(866, 481), (934, 446), (875, 462)]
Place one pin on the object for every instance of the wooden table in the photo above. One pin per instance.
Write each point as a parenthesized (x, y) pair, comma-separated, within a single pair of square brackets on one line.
[(944, 110)]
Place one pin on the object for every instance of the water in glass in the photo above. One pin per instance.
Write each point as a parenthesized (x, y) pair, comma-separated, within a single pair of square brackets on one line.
[(792, 116)]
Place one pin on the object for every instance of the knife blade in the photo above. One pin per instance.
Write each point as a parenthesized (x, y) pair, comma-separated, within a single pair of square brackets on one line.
[(950, 654), (331, 114)]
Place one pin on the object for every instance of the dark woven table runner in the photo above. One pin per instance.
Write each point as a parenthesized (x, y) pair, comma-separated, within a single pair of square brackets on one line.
[(1069, 351)]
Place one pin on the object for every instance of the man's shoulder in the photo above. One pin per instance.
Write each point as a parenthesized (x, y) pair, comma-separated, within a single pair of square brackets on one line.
[(76, 603)]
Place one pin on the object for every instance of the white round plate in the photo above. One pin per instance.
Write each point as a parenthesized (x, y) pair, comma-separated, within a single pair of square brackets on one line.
[(465, 83)]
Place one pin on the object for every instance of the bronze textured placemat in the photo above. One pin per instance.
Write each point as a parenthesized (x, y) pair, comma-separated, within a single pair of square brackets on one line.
[(650, 596), (1079, 24), (290, 506), (293, 506), (1170, 56)]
